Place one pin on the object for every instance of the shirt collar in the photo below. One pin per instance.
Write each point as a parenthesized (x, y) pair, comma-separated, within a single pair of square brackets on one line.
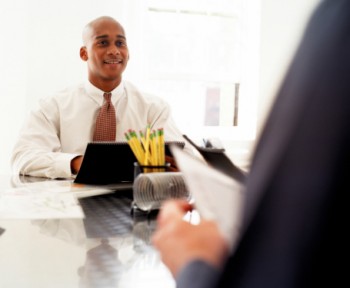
[(97, 94)]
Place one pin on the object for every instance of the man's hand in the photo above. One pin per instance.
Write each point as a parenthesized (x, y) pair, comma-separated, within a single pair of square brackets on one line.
[(180, 242), (75, 164)]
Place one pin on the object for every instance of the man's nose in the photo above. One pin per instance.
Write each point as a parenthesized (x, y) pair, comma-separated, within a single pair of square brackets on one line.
[(113, 50)]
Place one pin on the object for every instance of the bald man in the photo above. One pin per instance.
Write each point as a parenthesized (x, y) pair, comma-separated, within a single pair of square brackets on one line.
[(54, 138), (106, 52)]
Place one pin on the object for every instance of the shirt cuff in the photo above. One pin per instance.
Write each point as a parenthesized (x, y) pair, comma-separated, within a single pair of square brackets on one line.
[(62, 164), (197, 274)]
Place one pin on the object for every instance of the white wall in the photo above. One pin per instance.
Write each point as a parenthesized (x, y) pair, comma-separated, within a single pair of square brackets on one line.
[(12, 75), (282, 25)]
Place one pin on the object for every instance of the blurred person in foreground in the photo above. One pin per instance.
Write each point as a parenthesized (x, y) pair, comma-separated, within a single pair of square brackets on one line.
[(294, 221)]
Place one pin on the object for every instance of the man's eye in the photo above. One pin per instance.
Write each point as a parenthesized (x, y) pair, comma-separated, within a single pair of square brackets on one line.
[(120, 43), (103, 43)]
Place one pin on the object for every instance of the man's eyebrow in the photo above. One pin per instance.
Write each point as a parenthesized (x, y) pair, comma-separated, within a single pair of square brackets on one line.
[(121, 36), (106, 36)]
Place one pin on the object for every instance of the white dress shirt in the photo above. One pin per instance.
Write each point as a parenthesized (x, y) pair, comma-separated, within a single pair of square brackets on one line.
[(61, 127)]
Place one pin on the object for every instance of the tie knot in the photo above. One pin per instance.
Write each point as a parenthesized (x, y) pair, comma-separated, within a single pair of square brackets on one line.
[(107, 96)]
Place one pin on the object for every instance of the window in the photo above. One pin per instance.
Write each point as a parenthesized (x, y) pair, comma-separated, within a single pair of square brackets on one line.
[(202, 57)]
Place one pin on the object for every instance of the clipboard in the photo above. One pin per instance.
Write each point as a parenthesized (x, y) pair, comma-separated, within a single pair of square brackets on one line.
[(215, 195), (107, 163), (218, 159)]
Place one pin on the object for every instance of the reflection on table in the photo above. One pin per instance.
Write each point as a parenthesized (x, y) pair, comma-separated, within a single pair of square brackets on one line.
[(110, 247)]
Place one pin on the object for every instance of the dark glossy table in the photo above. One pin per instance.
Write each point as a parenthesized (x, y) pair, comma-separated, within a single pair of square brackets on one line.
[(110, 247)]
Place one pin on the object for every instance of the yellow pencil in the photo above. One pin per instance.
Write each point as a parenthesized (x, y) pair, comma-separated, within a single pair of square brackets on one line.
[(161, 146), (148, 131), (133, 148), (143, 140), (133, 141), (149, 149), (153, 149)]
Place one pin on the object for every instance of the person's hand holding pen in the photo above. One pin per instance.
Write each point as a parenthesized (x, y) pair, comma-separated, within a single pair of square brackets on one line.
[(180, 242)]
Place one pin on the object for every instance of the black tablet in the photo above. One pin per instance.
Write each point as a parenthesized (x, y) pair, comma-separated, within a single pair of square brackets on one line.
[(110, 163)]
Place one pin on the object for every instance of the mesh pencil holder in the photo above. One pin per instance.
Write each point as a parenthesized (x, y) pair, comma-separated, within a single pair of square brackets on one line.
[(138, 169)]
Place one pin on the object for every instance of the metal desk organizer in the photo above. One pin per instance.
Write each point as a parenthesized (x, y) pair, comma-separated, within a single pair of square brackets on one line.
[(152, 187)]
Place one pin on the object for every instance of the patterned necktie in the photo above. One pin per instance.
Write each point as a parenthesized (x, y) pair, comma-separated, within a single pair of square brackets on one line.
[(106, 123)]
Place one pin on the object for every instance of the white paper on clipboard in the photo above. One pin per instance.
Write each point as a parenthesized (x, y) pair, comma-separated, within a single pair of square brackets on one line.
[(216, 196)]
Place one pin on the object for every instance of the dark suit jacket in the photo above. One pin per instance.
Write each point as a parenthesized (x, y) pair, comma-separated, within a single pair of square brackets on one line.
[(296, 217)]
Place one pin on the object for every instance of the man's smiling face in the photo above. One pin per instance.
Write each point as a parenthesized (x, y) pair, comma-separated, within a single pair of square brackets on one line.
[(106, 53)]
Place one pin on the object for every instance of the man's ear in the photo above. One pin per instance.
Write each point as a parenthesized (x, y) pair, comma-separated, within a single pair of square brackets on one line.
[(83, 53)]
